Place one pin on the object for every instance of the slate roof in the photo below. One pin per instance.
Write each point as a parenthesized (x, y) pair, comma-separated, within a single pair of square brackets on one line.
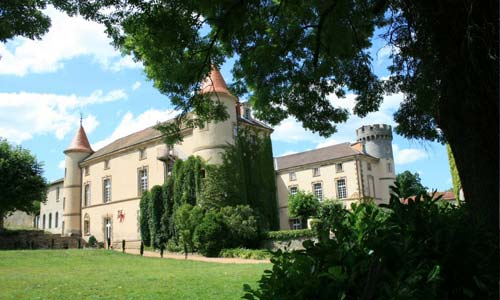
[(315, 156)]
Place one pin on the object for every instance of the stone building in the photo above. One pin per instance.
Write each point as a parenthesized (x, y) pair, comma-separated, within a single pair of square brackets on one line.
[(346, 172), (100, 192)]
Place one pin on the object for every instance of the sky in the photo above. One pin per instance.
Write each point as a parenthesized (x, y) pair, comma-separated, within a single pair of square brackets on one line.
[(46, 84)]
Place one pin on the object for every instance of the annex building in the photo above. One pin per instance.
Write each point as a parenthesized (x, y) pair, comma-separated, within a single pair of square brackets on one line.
[(101, 190)]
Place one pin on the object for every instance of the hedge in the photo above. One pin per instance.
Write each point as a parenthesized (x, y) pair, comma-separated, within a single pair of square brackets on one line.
[(245, 253), (285, 235)]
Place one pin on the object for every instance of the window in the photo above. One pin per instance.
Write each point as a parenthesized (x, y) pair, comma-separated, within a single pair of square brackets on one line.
[(50, 220), (43, 224), (87, 171), (389, 167), (86, 195), (341, 189), (142, 154), (339, 168), (316, 172), (86, 225), (293, 176), (142, 180), (293, 190), (64, 202), (318, 191), (296, 223), (106, 190), (56, 223), (369, 166), (246, 113), (65, 172), (58, 190), (106, 164)]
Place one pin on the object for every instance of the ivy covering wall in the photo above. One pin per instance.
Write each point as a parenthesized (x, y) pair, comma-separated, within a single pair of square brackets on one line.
[(246, 177)]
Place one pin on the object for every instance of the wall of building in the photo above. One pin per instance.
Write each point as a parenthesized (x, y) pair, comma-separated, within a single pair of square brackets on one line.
[(54, 205), (305, 180), (19, 219)]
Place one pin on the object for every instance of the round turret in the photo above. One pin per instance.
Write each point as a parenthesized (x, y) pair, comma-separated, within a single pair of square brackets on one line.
[(78, 150), (376, 140), (214, 137)]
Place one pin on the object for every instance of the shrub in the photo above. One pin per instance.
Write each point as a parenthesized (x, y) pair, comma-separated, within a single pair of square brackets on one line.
[(156, 210), (172, 246), (187, 218), (242, 225), (303, 205), (92, 241), (211, 234), (144, 206), (286, 235), (245, 253), (417, 251)]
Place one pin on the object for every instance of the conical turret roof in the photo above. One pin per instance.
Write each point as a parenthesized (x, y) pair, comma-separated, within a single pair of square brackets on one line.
[(80, 142), (214, 83)]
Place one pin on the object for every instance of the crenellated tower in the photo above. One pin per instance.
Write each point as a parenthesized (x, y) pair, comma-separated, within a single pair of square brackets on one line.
[(377, 142), (78, 150), (216, 135)]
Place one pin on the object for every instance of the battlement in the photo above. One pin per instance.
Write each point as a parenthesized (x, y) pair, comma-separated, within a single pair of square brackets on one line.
[(374, 132)]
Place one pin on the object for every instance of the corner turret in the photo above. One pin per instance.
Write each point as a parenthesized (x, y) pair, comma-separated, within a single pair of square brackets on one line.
[(216, 135), (77, 151)]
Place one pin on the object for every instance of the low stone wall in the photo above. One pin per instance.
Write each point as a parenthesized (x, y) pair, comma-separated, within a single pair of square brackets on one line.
[(295, 244), (37, 239)]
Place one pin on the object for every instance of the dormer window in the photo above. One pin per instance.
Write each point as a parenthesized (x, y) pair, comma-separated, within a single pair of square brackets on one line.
[(246, 113)]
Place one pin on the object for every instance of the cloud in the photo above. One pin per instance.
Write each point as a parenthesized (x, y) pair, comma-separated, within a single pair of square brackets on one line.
[(130, 124), (408, 155), (62, 164), (291, 131), (68, 38), (136, 85), (23, 114), (288, 152)]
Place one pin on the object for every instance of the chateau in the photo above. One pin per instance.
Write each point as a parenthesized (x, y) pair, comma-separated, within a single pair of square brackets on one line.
[(101, 190)]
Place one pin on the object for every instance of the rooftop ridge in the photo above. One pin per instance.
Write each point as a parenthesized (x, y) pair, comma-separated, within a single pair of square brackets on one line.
[(308, 151)]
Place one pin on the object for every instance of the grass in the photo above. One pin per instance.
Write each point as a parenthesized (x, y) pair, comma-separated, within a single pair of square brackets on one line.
[(101, 274)]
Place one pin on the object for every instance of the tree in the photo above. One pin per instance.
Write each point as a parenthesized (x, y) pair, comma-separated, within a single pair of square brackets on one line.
[(156, 211), (290, 56), (409, 184), (303, 205), (144, 220), (187, 218), (21, 184)]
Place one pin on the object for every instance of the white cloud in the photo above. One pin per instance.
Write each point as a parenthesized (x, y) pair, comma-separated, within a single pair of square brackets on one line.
[(291, 131), (62, 164), (408, 155), (130, 124), (136, 85), (289, 152), (68, 37), (23, 114)]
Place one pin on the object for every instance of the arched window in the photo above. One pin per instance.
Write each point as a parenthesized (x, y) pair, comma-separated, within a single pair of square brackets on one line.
[(43, 222), (56, 221), (86, 225), (50, 220)]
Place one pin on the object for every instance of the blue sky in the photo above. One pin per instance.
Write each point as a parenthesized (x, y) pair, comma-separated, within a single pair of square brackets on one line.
[(46, 84)]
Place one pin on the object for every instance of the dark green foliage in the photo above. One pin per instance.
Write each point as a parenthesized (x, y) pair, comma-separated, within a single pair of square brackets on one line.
[(243, 227), (245, 253), (410, 184), (187, 219), (210, 235), (303, 205), (156, 211), (286, 235), (187, 180), (144, 221), (21, 182), (421, 250), (92, 241), (167, 219), (455, 178)]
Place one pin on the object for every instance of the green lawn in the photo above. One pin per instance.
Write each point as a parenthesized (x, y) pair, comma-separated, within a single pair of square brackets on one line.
[(101, 274)]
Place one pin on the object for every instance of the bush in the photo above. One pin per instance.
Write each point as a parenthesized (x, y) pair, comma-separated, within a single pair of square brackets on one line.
[(242, 225), (92, 241), (145, 211), (172, 246), (245, 253), (417, 251), (211, 234), (286, 235)]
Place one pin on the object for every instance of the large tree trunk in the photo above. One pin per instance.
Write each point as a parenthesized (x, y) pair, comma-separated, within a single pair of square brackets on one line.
[(468, 110), (2, 216)]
